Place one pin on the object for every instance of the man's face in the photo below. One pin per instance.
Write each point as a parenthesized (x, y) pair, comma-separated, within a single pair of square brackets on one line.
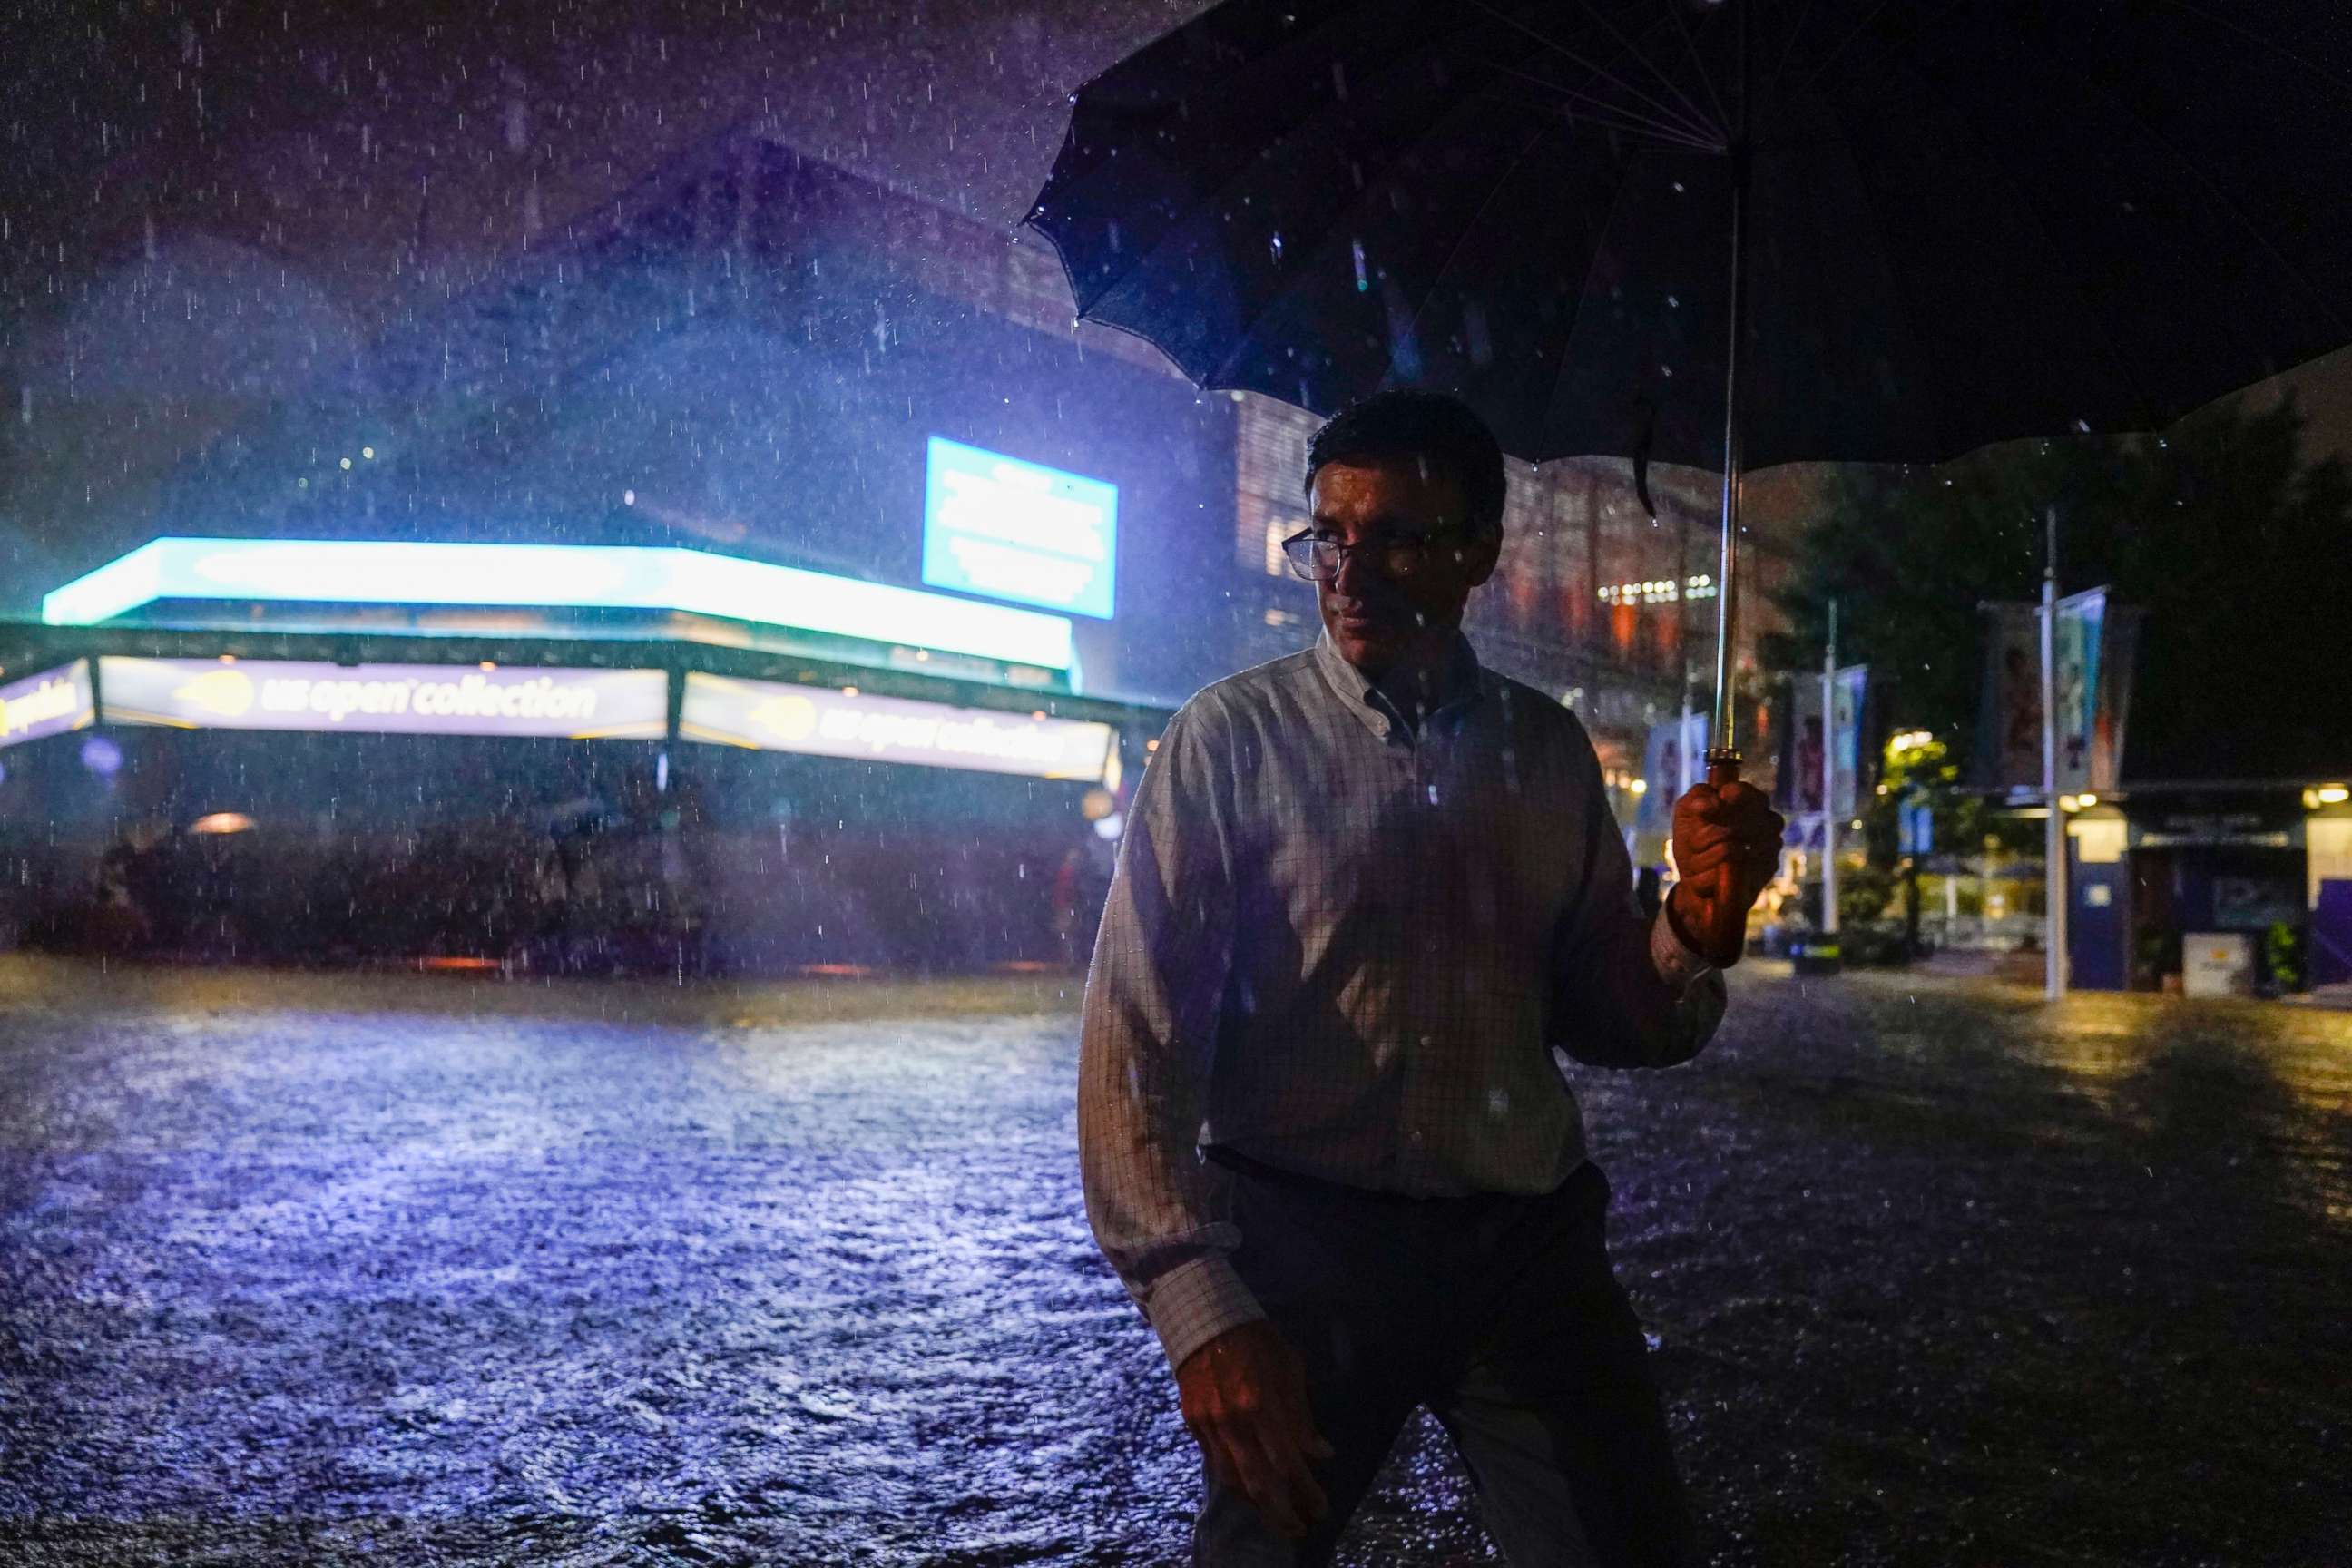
[(1377, 616)]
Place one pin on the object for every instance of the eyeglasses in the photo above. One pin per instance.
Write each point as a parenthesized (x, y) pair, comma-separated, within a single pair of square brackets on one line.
[(1317, 558)]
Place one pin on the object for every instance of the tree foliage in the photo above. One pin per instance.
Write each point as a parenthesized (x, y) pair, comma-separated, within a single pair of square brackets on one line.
[(2239, 553)]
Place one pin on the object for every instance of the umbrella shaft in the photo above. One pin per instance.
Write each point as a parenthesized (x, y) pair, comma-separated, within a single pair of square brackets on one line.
[(1723, 745), (1723, 751)]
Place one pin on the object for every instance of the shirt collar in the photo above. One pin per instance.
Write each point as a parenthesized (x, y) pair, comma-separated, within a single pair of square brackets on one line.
[(1464, 682)]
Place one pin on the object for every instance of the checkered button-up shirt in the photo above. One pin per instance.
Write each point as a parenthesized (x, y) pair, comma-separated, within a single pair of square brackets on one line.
[(1347, 947)]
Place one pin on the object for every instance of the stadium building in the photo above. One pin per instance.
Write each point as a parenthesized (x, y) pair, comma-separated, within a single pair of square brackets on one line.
[(759, 571)]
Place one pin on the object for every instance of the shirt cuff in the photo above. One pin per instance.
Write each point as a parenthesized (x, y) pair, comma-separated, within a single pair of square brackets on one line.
[(1195, 1301), (1677, 965)]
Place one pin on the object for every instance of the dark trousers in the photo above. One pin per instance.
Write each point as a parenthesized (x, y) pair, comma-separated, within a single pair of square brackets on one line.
[(1499, 1313)]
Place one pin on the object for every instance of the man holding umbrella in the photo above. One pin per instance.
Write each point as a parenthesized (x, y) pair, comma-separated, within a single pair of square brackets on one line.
[(1367, 892)]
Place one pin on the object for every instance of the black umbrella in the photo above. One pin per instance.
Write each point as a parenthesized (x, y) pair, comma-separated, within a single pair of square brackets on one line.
[(1925, 225)]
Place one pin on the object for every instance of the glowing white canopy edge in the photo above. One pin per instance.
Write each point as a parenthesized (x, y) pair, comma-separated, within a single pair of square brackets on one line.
[(554, 576)]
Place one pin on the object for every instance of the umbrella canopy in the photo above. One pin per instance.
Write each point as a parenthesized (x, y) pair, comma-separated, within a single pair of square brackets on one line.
[(1967, 220)]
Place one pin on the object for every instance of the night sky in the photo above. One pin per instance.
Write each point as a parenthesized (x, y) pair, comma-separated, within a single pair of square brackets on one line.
[(331, 165), (340, 134), (313, 172)]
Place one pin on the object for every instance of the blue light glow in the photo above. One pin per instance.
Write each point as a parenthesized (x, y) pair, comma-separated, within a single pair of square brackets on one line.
[(556, 576), (996, 526)]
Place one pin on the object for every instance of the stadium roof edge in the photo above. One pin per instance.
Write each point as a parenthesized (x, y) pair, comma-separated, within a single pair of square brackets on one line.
[(557, 577)]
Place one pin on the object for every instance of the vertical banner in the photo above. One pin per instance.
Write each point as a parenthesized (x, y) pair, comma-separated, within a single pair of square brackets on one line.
[(2093, 645), (1661, 771), (1805, 737), (1849, 724), (2008, 710), (1797, 788), (2119, 638), (2081, 618)]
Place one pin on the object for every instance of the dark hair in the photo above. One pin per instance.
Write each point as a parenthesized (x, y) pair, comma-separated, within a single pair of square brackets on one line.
[(1433, 424)]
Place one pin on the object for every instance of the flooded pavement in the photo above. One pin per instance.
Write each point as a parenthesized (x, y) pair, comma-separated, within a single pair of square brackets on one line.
[(301, 1269)]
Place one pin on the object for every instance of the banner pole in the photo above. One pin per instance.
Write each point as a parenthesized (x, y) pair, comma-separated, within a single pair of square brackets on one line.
[(1829, 779), (2054, 838)]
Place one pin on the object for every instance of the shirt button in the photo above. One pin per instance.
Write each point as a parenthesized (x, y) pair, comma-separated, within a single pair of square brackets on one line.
[(1428, 1040), (1416, 1135)]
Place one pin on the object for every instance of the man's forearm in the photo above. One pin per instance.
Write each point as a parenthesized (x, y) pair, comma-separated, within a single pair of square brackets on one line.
[(1149, 1199), (1637, 996), (1148, 1041), (1195, 1301), (1678, 960)]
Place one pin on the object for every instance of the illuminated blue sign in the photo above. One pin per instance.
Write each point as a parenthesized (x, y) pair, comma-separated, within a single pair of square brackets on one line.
[(589, 576), (1005, 529)]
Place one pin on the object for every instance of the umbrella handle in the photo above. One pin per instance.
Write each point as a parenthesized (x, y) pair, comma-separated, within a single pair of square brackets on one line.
[(1723, 766)]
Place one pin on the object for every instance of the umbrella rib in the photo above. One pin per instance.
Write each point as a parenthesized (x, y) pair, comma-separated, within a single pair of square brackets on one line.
[(2265, 40), (1626, 119), (1789, 49), (1823, 64), (2223, 199), (2025, 206), (1690, 47), (1463, 237), (1248, 329), (1576, 306), (1242, 337), (1635, 127), (1668, 113), (1722, 130)]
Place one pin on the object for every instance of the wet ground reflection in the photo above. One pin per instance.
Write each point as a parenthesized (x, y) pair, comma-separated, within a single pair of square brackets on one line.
[(297, 1267)]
